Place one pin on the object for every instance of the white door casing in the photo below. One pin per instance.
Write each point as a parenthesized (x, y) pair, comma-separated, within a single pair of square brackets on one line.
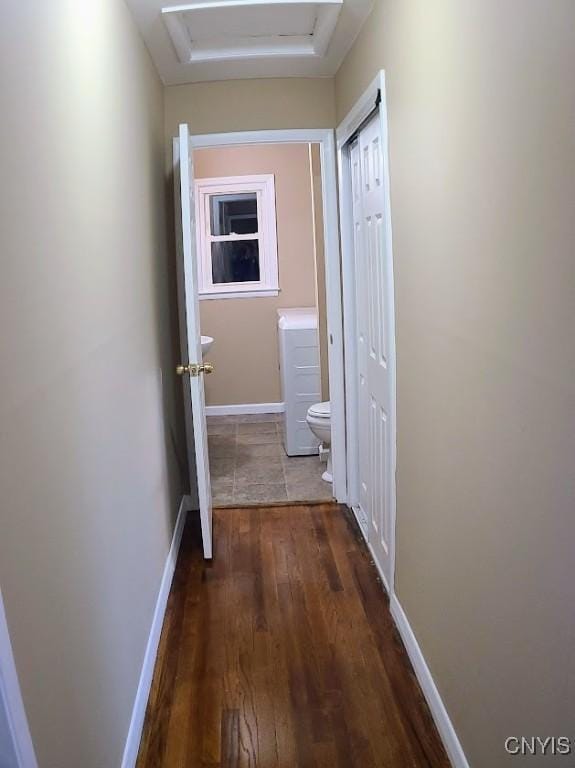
[(16, 748), (326, 140), (190, 336), (374, 326), (8, 753)]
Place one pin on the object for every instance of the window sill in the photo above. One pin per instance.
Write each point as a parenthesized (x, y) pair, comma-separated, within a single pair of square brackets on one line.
[(262, 294)]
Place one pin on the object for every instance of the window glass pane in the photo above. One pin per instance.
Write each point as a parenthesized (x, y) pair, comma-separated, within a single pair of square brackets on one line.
[(234, 214), (235, 261)]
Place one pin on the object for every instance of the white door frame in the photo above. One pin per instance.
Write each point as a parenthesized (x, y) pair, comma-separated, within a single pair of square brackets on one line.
[(11, 699), (325, 138), (375, 93)]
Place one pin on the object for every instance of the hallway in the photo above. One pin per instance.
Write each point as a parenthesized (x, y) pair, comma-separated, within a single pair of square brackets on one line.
[(282, 652)]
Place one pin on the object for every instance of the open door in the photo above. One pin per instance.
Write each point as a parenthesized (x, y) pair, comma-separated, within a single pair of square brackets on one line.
[(192, 367)]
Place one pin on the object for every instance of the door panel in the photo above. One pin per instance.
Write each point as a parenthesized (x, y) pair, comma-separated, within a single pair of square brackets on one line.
[(360, 283), (190, 336), (373, 342)]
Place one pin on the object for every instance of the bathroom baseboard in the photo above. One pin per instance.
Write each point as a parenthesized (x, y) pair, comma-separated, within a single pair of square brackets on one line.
[(247, 408)]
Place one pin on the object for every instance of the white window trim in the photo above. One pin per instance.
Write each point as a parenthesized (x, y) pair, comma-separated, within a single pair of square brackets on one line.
[(264, 187)]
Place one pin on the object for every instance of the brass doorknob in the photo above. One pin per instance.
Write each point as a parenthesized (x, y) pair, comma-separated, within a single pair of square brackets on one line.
[(193, 369)]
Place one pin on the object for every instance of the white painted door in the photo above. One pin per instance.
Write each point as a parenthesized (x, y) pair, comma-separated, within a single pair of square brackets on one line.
[(374, 301), (191, 367)]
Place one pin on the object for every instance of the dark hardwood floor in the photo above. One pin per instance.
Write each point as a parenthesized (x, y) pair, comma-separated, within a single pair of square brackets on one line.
[(282, 653)]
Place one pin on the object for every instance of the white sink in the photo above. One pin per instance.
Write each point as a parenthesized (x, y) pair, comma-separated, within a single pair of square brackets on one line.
[(207, 342)]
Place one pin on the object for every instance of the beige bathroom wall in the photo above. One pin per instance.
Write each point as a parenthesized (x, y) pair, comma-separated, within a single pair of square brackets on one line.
[(90, 436), (482, 146), (245, 352)]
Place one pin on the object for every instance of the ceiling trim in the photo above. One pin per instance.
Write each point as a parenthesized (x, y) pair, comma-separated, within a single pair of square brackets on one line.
[(221, 48)]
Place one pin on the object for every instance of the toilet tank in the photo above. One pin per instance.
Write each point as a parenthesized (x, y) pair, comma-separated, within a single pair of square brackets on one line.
[(300, 376)]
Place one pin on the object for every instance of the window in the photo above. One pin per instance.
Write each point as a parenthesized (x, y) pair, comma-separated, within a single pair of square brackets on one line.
[(237, 243)]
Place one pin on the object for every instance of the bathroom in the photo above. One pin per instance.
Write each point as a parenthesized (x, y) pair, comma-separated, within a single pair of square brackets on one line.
[(260, 246)]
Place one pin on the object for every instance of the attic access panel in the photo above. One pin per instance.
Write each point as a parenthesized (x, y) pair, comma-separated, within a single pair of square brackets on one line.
[(246, 29)]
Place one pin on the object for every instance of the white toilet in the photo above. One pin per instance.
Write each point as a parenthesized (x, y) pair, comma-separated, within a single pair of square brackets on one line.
[(319, 421)]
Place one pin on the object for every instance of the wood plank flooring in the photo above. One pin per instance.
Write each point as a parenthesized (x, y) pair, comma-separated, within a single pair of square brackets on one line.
[(282, 653)]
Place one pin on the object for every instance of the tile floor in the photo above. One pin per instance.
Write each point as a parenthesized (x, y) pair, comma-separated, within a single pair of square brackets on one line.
[(249, 465)]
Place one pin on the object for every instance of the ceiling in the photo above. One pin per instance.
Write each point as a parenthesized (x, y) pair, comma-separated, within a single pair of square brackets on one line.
[(230, 39)]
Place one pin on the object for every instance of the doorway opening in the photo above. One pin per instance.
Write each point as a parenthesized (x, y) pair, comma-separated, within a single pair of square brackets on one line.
[(222, 264), (262, 300)]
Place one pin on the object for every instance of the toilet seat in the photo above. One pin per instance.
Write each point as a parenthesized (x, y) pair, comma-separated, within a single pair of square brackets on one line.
[(320, 410)]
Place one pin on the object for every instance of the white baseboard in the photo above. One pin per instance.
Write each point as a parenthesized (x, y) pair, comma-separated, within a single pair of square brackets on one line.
[(143, 692), (247, 408), (438, 711)]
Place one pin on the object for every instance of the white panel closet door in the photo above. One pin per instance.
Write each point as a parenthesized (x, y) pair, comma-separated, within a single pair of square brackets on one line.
[(374, 324)]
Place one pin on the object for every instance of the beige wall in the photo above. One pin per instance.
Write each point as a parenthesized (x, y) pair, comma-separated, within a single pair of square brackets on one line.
[(482, 114), (88, 474), (245, 352), (250, 105)]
